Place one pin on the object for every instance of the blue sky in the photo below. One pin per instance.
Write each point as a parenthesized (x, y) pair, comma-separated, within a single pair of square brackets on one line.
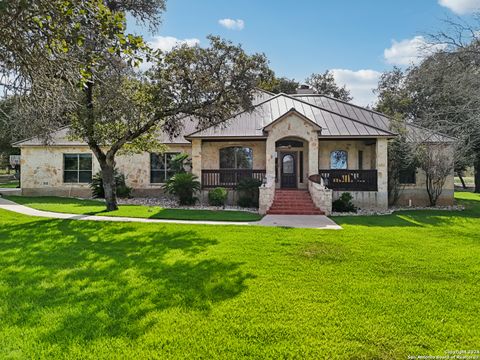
[(356, 39)]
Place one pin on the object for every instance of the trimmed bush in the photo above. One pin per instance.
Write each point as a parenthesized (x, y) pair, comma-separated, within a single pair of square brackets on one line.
[(344, 203), (248, 192), (183, 186), (96, 186), (217, 196)]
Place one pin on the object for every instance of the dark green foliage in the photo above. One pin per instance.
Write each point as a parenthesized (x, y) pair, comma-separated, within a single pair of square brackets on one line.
[(325, 84), (123, 191), (280, 85), (183, 186), (217, 196), (344, 203), (179, 162), (245, 201), (248, 192)]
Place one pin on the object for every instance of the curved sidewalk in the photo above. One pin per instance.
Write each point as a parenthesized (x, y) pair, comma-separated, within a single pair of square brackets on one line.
[(296, 221)]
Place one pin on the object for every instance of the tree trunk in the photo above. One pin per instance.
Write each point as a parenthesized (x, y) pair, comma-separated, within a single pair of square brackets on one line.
[(109, 185), (459, 174), (476, 166)]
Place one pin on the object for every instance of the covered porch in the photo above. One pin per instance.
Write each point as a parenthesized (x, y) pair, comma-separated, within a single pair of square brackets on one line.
[(358, 166)]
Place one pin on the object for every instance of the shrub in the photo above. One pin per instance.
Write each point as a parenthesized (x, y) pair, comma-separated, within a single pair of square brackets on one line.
[(179, 162), (96, 186), (183, 186), (344, 203), (217, 196), (245, 201), (248, 192)]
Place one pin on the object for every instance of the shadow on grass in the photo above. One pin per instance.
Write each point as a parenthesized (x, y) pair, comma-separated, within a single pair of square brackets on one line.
[(98, 279), (417, 218)]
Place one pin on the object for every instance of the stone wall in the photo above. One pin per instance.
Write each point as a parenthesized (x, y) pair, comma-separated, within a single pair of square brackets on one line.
[(211, 152), (416, 194), (352, 147), (42, 171), (321, 197)]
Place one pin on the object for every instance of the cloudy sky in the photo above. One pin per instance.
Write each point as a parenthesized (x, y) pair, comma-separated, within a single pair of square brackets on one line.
[(357, 40)]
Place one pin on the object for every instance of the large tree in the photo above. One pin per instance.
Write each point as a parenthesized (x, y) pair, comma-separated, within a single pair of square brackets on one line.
[(325, 84), (81, 71), (280, 85)]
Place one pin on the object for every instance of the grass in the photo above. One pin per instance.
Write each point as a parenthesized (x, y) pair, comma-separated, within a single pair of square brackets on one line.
[(96, 207), (9, 184), (385, 287)]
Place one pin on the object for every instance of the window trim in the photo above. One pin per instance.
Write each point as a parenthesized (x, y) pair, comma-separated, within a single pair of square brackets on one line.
[(414, 170), (346, 159), (235, 157), (165, 170), (78, 182)]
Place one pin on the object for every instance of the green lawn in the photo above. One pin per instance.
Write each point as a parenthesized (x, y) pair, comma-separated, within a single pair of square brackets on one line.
[(95, 207), (9, 185), (383, 288)]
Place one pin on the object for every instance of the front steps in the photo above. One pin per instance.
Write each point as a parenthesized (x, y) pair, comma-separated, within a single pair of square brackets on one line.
[(293, 202)]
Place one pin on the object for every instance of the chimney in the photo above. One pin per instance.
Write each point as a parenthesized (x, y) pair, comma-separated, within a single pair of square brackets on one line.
[(305, 90)]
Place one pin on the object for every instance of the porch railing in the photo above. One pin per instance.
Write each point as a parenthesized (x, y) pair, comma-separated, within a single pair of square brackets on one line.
[(229, 178), (347, 180)]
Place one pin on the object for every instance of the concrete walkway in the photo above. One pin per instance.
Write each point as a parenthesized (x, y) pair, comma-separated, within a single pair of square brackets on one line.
[(10, 191), (295, 221)]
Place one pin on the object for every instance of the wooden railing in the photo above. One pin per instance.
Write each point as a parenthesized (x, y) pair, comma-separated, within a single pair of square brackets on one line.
[(347, 180), (229, 178)]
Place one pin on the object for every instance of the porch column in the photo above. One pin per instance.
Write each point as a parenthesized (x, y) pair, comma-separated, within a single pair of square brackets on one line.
[(313, 155), (270, 160), (197, 158), (382, 173)]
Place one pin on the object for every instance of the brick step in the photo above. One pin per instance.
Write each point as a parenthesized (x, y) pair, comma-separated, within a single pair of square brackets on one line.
[(293, 202), (294, 212), (301, 207), (276, 201), (293, 207)]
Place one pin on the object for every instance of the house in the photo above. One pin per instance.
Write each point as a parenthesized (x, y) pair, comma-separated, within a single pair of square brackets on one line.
[(303, 141)]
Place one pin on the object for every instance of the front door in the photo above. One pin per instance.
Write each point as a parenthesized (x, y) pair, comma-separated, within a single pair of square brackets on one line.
[(289, 170)]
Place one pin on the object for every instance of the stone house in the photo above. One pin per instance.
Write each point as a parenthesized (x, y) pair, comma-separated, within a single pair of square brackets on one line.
[(302, 142)]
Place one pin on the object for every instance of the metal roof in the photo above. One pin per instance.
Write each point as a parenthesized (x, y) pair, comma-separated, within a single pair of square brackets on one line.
[(252, 124), (373, 118), (336, 118)]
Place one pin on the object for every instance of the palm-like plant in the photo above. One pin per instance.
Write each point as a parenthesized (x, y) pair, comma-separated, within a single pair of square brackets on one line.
[(183, 186)]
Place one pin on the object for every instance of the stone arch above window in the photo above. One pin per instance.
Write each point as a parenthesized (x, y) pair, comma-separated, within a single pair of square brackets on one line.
[(338, 159), (236, 157)]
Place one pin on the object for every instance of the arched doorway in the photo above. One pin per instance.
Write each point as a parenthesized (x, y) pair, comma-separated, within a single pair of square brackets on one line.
[(290, 162)]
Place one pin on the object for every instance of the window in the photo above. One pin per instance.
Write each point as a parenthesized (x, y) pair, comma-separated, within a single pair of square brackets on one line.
[(77, 168), (360, 160), (338, 159), (288, 164), (160, 170), (236, 158), (408, 176)]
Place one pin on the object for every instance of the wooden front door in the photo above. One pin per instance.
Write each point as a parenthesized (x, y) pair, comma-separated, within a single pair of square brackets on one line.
[(288, 167)]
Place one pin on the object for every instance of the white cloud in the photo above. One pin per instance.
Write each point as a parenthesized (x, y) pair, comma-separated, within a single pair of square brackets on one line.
[(409, 51), (461, 7), (167, 43), (360, 83), (232, 24)]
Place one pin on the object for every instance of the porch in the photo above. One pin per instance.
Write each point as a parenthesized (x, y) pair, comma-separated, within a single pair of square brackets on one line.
[(334, 179)]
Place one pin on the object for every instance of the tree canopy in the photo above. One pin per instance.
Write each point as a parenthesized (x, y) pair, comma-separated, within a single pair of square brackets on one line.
[(325, 84), (73, 62)]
